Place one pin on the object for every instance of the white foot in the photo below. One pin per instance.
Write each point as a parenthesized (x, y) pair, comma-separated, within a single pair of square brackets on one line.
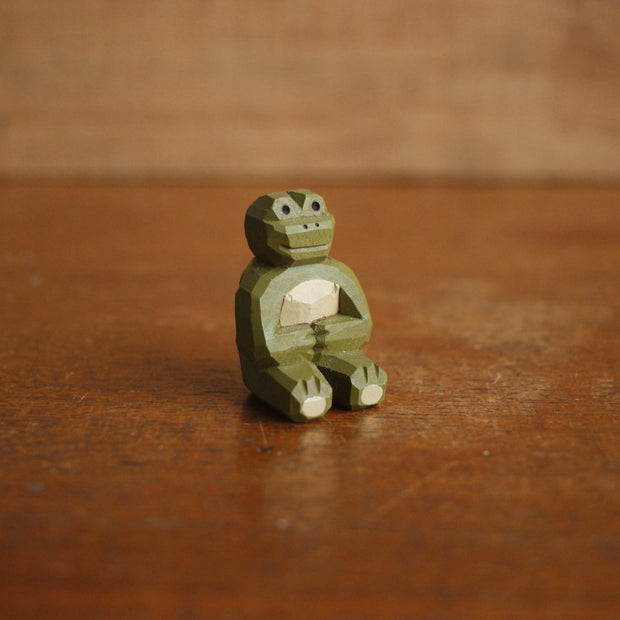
[(314, 407), (371, 395)]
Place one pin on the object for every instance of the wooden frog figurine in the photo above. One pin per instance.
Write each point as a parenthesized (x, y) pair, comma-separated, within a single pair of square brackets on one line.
[(301, 316)]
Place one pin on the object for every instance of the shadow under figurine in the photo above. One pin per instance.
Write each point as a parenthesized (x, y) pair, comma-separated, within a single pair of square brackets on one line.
[(301, 316)]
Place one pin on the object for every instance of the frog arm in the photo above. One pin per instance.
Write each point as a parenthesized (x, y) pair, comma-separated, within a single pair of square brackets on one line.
[(257, 314), (352, 325)]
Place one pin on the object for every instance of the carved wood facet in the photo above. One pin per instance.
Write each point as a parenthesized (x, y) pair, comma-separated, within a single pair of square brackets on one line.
[(308, 302)]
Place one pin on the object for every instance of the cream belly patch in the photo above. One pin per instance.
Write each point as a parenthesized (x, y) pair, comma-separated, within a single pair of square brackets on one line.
[(308, 302)]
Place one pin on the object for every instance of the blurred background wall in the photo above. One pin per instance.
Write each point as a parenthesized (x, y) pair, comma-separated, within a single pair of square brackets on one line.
[(338, 89)]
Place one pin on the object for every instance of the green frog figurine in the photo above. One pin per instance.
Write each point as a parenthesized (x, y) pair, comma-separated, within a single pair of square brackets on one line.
[(302, 317)]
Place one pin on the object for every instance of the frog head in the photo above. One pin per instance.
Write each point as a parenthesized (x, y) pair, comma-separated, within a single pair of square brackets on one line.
[(289, 228)]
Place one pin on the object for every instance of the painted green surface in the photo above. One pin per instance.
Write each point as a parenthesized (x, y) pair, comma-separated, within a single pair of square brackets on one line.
[(300, 369)]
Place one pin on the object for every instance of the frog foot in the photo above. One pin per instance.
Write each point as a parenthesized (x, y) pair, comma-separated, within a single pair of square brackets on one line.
[(310, 399), (297, 390), (356, 380)]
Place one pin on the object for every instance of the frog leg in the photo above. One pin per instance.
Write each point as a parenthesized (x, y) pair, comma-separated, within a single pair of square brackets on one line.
[(357, 382), (298, 390)]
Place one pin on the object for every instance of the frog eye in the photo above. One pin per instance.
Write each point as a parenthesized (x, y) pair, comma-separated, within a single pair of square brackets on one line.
[(316, 206), (286, 209)]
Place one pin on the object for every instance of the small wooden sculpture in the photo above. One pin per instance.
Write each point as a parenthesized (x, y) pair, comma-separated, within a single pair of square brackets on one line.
[(301, 316)]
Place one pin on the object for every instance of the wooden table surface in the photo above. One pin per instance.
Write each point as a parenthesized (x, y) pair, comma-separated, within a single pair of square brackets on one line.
[(139, 479)]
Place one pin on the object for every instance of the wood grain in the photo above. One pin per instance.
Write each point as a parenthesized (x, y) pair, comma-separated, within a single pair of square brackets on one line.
[(486, 89), (139, 479)]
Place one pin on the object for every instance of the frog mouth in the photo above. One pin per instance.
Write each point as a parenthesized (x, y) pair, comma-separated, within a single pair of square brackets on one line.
[(303, 249)]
